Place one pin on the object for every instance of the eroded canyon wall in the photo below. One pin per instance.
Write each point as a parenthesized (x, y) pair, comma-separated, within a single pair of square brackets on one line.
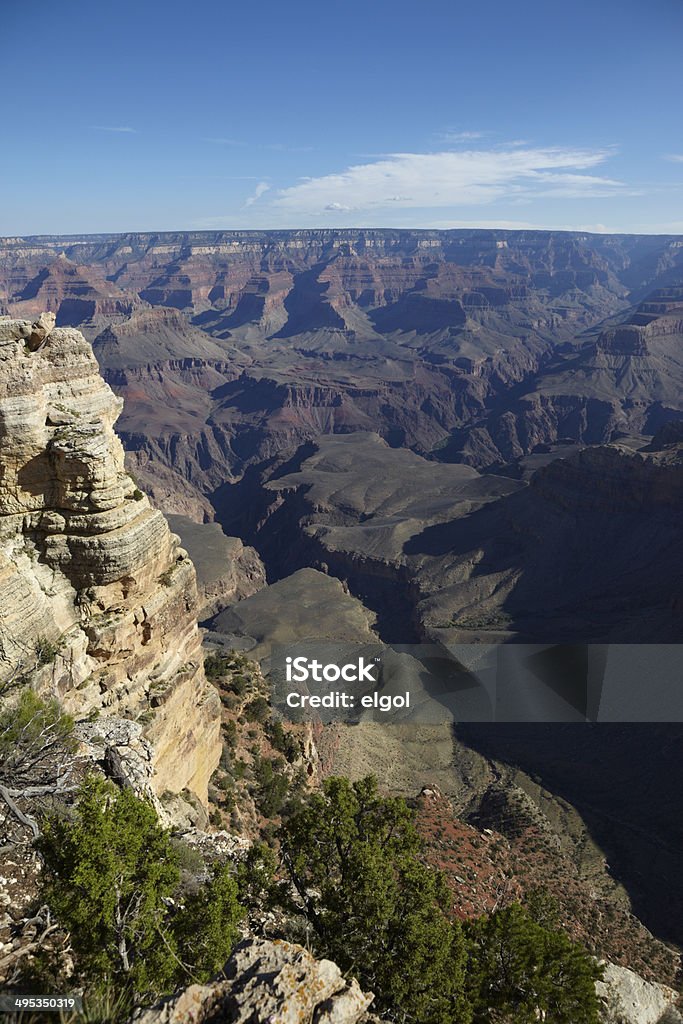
[(98, 600)]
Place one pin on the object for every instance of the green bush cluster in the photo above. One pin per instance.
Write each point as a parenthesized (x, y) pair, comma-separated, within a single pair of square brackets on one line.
[(36, 737), (283, 741), (349, 875), (257, 710), (354, 860), (217, 665), (272, 786), (46, 650), (110, 874), (521, 971)]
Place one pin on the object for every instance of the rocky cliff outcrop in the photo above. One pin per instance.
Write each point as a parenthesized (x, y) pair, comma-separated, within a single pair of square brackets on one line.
[(627, 380), (631, 1000), (281, 982), (76, 294), (267, 981), (97, 598), (231, 347)]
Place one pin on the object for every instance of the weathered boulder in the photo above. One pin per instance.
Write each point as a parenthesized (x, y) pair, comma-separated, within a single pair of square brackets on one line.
[(629, 999), (276, 982), (40, 330)]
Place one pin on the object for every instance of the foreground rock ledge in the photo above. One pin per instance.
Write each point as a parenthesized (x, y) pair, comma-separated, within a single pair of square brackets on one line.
[(629, 999), (276, 982)]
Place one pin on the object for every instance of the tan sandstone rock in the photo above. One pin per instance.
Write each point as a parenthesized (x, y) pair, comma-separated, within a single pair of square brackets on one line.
[(271, 982), (98, 600), (40, 330), (629, 999)]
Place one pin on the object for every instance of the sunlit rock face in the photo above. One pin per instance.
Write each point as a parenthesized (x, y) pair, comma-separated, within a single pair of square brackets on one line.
[(97, 597)]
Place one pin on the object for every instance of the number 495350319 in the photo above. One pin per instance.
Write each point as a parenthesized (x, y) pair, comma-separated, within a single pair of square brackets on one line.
[(28, 1003)]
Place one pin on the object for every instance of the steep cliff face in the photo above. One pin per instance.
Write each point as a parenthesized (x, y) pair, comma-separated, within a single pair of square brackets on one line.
[(97, 597)]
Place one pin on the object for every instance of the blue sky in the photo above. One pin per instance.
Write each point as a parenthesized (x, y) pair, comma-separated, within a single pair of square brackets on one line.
[(151, 116)]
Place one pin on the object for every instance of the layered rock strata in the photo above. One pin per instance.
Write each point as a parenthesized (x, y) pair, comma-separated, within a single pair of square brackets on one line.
[(98, 599)]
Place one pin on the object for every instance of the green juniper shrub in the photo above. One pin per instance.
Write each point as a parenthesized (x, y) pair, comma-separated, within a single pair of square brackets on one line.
[(215, 666), (35, 734), (297, 793), (239, 684), (348, 864), (353, 858), (269, 834), (112, 879), (542, 907), (226, 793), (256, 877), (46, 650), (228, 700), (524, 972), (271, 786), (107, 873), (207, 927), (230, 733), (257, 710), (283, 741)]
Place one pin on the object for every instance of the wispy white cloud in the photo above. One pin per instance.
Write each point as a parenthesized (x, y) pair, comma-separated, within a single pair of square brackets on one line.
[(283, 147), (121, 130), (260, 189), (502, 223), (450, 135), (676, 158), (222, 141), (452, 179)]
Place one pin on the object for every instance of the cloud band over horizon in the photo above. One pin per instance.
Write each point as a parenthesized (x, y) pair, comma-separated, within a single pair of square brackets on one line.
[(452, 179)]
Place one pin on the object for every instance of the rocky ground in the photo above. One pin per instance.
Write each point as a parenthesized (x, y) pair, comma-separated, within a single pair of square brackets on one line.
[(268, 981)]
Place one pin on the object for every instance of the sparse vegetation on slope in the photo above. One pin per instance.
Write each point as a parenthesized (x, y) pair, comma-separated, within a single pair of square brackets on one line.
[(112, 877), (347, 875)]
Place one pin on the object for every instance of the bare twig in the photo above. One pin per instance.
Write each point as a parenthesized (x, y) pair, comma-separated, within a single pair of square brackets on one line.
[(43, 919), (18, 813)]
